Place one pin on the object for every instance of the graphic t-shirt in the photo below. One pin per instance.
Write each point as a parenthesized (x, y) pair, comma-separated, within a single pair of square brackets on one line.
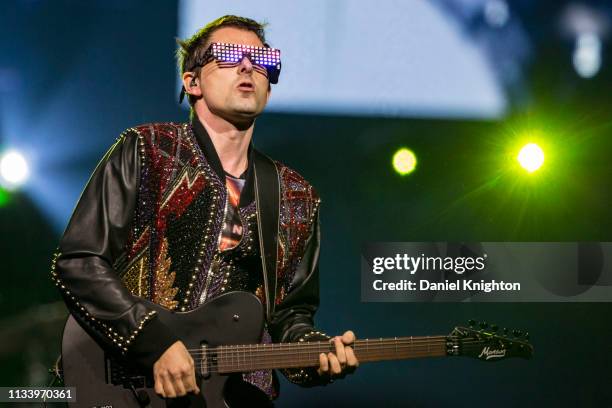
[(232, 226)]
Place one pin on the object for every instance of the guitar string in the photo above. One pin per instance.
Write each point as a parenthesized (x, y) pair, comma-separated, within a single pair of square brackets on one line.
[(236, 356), (292, 348), (373, 342), (234, 361), (243, 365), (324, 347), (361, 342), (247, 366)]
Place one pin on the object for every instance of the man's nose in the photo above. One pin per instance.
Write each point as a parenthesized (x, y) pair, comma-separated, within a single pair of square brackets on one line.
[(245, 64)]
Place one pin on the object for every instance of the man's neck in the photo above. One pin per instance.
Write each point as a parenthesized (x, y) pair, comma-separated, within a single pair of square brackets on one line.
[(231, 143)]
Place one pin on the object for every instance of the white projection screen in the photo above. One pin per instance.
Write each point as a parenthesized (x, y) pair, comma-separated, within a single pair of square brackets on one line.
[(366, 58)]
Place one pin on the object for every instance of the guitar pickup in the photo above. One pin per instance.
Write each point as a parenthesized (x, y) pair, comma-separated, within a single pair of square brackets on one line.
[(118, 372)]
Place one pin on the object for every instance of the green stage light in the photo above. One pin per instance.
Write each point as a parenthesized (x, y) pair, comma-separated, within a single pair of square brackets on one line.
[(404, 161), (531, 157), (4, 197)]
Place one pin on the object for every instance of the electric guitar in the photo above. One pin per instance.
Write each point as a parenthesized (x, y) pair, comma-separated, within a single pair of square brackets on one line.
[(223, 337)]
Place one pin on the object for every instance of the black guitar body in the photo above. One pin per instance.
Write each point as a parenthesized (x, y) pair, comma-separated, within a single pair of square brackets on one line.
[(104, 381)]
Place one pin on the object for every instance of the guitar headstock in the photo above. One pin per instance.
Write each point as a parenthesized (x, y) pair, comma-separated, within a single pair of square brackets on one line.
[(487, 343)]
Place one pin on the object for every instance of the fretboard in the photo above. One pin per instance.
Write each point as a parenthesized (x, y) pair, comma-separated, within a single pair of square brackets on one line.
[(253, 357)]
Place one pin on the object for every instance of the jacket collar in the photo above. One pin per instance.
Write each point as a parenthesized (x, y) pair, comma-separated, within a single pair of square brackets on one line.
[(210, 153)]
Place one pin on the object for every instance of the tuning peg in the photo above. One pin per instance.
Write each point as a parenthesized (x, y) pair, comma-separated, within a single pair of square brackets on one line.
[(472, 322), (494, 328), (483, 325), (517, 333), (526, 335)]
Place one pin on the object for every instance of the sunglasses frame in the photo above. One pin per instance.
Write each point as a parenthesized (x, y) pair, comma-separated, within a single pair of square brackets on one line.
[(265, 57)]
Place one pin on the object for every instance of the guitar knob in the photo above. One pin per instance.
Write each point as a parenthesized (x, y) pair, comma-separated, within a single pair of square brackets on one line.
[(143, 398), (526, 335), (505, 331), (483, 325), (517, 333)]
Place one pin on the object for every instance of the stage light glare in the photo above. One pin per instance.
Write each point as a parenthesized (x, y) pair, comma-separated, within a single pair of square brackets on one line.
[(496, 13), (531, 157), (587, 55), (404, 161), (14, 170)]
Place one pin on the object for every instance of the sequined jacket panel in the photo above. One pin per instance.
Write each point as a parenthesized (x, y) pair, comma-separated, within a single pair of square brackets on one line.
[(147, 224)]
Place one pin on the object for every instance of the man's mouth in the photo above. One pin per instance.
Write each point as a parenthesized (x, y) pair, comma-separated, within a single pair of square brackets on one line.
[(246, 86)]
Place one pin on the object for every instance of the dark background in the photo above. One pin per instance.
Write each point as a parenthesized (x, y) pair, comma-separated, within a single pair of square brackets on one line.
[(112, 64)]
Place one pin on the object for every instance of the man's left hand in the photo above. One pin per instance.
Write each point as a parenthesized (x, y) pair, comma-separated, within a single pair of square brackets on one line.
[(343, 361)]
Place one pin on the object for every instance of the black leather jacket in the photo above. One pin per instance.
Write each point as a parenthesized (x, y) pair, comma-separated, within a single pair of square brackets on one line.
[(93, 245)]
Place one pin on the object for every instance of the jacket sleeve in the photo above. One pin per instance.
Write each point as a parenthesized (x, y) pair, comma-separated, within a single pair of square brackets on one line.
[(92, 242), (292, 320)]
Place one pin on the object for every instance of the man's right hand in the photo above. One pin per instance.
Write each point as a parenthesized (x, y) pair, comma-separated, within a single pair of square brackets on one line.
[(174, 372)]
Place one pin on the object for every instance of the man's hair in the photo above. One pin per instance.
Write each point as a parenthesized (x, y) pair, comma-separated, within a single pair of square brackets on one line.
[(191, 49)]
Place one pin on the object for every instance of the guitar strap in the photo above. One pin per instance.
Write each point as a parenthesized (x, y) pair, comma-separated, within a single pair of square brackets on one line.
[(267, 200)]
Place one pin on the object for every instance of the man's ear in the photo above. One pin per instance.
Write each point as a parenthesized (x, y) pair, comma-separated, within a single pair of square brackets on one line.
[(192, 84)]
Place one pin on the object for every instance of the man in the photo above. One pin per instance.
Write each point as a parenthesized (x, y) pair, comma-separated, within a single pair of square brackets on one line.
[(169, 215)]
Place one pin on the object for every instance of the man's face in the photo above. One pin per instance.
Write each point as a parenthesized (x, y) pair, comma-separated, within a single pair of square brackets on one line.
[(237, 93)]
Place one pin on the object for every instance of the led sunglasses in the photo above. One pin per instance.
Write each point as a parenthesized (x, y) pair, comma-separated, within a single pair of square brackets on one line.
[(269, 58)]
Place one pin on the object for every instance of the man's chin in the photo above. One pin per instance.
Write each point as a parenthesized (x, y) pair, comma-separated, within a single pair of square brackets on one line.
[(246, 111), (241, 116), (243, 119)]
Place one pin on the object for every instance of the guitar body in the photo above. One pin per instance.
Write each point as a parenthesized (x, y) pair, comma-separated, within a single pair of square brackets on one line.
[(101, 381)]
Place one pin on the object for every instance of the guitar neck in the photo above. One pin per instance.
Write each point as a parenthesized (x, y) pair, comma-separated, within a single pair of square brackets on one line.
[(251, 357)]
